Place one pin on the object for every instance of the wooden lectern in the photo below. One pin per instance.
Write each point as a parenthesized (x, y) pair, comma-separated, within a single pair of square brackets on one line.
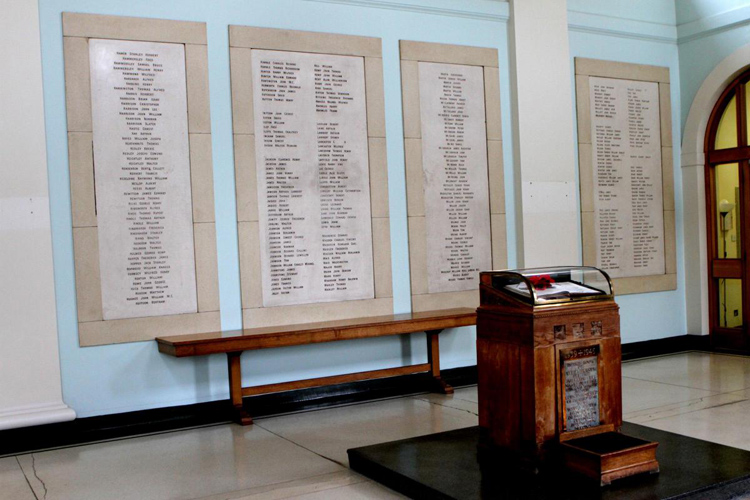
[(549, 361)]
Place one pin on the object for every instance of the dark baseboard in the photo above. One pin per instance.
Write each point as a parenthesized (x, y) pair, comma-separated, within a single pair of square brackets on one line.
[(670, 345), (123, 425)]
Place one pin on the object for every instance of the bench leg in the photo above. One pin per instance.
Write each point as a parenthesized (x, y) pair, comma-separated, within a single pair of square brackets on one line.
[(235, 388), (433, 358)]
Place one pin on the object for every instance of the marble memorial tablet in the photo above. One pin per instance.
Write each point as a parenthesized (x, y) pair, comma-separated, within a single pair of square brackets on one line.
[(581, 388), (313, 177), (454, 160), (628, 215), (142, 178)]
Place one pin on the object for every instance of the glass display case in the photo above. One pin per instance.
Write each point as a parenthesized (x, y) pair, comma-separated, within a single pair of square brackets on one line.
[(550, 375), (551, 285)]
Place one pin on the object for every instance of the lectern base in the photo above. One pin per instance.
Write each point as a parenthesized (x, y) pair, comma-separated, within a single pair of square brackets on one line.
[(445, 466), (609, 456)]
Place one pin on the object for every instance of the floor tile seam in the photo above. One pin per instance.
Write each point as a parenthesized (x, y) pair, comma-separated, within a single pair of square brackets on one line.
[(216, 424), (459, 387), (653, 408), (451, 415), (358, 403), (464, 399), (301, 446), (666, 355), (344, 405), (447, 406), (36, 475), (114, 440), (691, 351), (414, 397), (245, 493), (28, 483), (687, 412), (728, 354), (454, 395), (713, 393), (363, 480)]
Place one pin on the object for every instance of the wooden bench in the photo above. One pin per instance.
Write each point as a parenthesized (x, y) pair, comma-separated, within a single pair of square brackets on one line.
[(234, 342)]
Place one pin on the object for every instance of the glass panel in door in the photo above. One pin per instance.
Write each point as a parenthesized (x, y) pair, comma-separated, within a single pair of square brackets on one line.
[(730, 303), (727, 209), (726, 133)]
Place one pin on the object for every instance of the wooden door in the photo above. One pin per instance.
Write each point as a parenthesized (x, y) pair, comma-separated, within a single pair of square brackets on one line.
[(727, 217)]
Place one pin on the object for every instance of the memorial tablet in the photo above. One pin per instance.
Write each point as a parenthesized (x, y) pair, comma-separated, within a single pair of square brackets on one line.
[(628, 215), (142, 178), (581, 378), (454, 159), (313, 178)]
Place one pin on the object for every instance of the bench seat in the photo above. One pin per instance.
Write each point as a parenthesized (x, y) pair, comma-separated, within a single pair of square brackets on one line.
[(234, 342)]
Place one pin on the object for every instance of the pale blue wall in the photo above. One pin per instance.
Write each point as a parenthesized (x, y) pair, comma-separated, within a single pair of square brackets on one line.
[(660, 314), (651, 11), (709, 31), (126, 377), (689, 11)]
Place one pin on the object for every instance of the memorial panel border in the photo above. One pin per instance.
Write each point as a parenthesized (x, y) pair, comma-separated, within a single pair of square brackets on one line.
[(242, 40), (412, 53), (585, 68), (77, 30)]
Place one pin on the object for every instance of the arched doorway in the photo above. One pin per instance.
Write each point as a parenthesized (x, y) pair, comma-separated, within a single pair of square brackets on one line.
[(727, 175)]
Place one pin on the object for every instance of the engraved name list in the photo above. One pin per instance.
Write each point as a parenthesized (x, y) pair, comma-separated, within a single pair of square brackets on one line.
[(627, 177), (454, 160), (313, 177), (581, 375), (142, 178)]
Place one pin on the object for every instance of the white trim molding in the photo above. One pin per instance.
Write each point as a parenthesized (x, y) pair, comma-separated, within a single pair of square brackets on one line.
[(598, 24), (694, 189), (713, 25), (41, 414), (483, 10)]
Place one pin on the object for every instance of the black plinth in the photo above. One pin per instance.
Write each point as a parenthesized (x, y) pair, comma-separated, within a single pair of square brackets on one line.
[(445, 466)]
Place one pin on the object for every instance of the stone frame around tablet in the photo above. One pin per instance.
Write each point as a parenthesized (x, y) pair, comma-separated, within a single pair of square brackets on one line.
[(242, 40), (412, 53), (77, 30), (585, 68)]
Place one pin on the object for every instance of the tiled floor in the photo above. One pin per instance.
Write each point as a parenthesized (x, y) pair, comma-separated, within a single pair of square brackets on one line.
[(303, 456)]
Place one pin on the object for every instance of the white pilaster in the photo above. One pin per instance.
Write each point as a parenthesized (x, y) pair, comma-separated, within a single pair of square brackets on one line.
[(30, 385), (543, 118)]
